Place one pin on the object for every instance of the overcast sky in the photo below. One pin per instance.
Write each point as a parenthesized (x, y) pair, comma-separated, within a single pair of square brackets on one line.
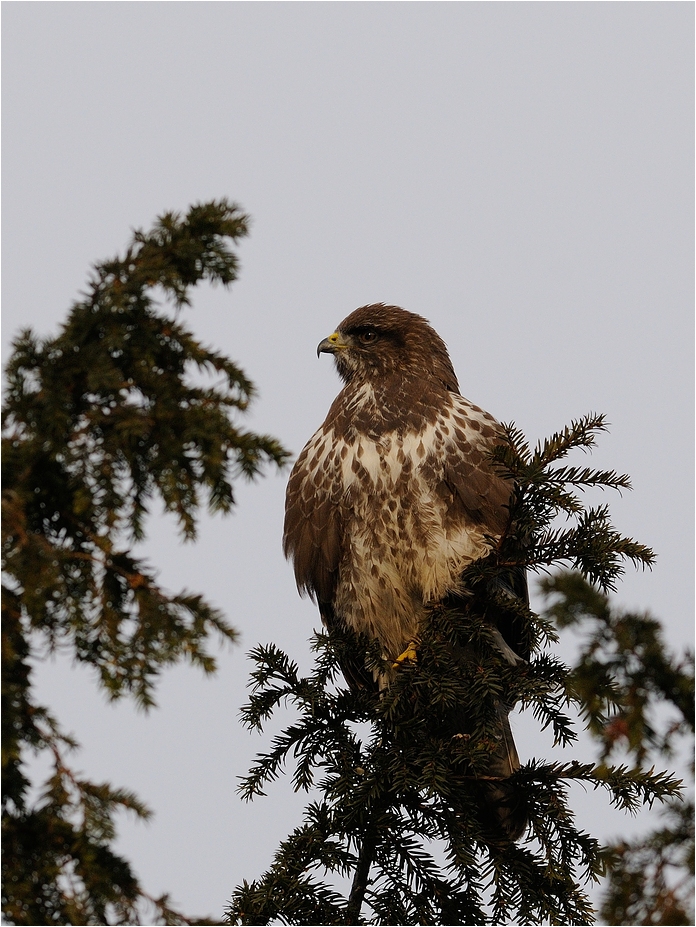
[(519, 173)]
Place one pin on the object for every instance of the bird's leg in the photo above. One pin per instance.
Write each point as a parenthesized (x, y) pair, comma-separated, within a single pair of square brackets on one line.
[(409, 654)]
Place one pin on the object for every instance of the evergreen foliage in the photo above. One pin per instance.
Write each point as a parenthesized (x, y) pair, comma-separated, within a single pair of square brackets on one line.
[(637, 699), (122, 406), (397, 830)]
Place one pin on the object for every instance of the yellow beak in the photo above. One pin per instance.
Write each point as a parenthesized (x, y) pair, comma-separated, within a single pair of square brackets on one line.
[(332, 344)]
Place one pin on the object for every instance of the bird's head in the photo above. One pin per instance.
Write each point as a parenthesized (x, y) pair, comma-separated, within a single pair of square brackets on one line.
[(378, 341)]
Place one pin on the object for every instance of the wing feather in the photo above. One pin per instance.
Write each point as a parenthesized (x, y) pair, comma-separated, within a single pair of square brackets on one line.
[(480, 494), (312, 531)]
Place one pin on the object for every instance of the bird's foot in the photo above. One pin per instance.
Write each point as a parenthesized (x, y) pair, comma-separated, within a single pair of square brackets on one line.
[(409, 654)]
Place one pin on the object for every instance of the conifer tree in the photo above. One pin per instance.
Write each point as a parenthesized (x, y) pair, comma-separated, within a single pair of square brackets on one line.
[(394, 832), (120, 407), (638, 701)]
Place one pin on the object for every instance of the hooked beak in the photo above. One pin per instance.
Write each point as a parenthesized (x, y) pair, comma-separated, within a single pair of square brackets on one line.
[(332, 344)]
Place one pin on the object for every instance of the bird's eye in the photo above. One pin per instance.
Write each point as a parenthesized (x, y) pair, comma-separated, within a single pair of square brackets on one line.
[(368, 337)]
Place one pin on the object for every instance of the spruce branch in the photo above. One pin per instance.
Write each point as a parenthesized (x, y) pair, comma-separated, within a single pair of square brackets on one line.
[(398, 774), (362, 872), (123, 406)]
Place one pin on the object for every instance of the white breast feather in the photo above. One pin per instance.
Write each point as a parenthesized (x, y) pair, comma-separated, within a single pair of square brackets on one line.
[(400, 558)]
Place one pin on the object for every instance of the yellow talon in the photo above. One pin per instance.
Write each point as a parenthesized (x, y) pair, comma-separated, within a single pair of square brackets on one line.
[(408, 654)]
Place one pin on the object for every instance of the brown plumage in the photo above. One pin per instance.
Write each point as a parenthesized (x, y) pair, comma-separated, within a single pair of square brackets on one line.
[(394, 495)]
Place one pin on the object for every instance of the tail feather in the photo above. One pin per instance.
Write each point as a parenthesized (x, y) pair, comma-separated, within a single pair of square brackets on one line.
[(502, 804)]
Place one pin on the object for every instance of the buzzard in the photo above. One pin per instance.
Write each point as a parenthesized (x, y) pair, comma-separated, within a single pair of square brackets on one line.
[(394, 496)]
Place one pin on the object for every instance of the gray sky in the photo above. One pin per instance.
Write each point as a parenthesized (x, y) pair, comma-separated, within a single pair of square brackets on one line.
[(519, 173)]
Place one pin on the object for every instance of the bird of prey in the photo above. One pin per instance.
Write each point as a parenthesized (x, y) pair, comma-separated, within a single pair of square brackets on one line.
[(395, 495)]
